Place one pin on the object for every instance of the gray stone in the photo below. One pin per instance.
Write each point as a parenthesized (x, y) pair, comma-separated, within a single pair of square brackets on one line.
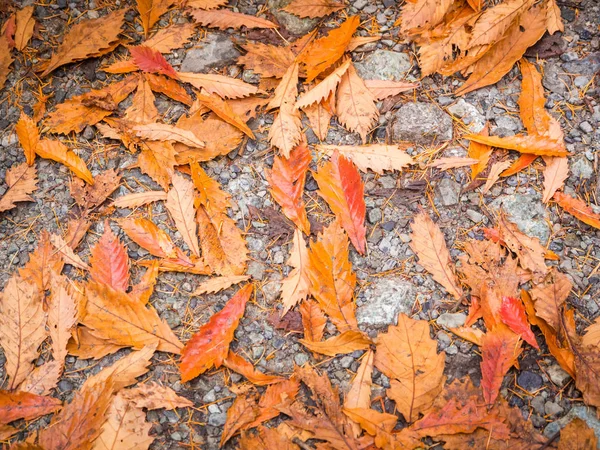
[(451, 350), (385, 298), (527, 211), (447, 192), (301, 358), (588, 415), (217, 420), (384, 65), (553, 409), (474, 216), (586, 66), (209, 397), (256, 270), (346, 361), (582, 168), (451, 320), (555, 79), (290, 22), (581, 81), (557, 375), (529, 381), (586, 127), (375, 215), (215, 51), (538, 404), (421, 123), (469, 114)]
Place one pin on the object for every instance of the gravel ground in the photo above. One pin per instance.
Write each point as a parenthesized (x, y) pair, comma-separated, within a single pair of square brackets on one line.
[(389, 279)]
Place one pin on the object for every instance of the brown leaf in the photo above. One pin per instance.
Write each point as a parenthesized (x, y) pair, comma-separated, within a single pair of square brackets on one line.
[(172, 37), (5, 60), (23, 405), (21, 181), (296, 286), (359, 395), (114, 316), (157, 160), (148, 236), (142, 109), (427, 241), (25, 24), (536, 145), (165, 132), (267, 60), (43, 261), (408, 356), (62, 317), (224, 87), (381, 425), (347, 342), (57, 151), (86, 39), (155, 396), (86, 345), (313, 320), (209, 346), (578, 208), (577, 435), (151, 10), (493, 24), (238, 364), (422, 14), (377, 157), (28, 135), (241, 413), (549, 297), (223, 19), (22, 328), (313, 8), (92, 196), (109, 262), (331, 278)]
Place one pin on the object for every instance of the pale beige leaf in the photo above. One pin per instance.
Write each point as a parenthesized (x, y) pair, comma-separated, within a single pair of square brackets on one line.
[(22, 328), (217, 284), (43, 379), (180, 203), (553, 19), (286, 131), (359, 395), (430, 247), (358, 41), (313, 8), (495, 170), (165, 132), (224, 18), (387, 88), (139, 199), (423, 14), (452, 162), (322, 90), (67, 252), (21, 181), (296, 286), (142, 109), (319, 117), (154, 396), (377, 157), (224, 87), (555, 174), (62, 316)]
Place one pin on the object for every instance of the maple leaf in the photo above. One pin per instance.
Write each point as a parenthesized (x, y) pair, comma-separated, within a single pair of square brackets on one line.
[(319, 115), (152, 61), (223, 19), (407, 355), (139, 199), (313, 8), (109, 262), (22, 330), (25, 24), (210, 345), (577, 435), (224, 111), (28, 135), (359, 394), (427, 241), (57, 151), (114, 316), (180, 204), (155, 396), (331, 278), (24, 405), (267, 60), (377, 157), (549, 297), (499, 351), (287, 178), (324, 89), (285, 132), (296, 286), (355, 104), (347, 342), (21, 181), (150, 11), (324, 52), (89, 38), (216, 284), (313, 320), (578, 208), (422, 14), (513, 315), (238, 364), (387, 88), (341, 187)]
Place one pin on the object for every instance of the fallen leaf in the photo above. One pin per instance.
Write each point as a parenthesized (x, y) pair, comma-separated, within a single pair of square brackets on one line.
[(69, 256), (241, 413), (5, 60), (142, 109), (386, 88), (216, 284), (296, 286), (139, 199), (381, 426), (427, 241), (155, 396), (319, 116), (549, 296), (109, 262), (452, 162), (210, 193), (224, 87), (23, 405), (28, 135), (324, 89), (151, 60), (513, 315), (43, 262), (554, 21), (157, 160), (578, 208), (285, 132), (209, 346), (347, 342), (286, 180), (89, 38), (43, 379), (536, 145), (92, 196), (148, 236), (62, 317), (422, 14), (494, 174), (481, 152), (180, 204), (150, 11), (170, 87), (377, 157), (493, 24), (522, 162), (86, 345), (21, 181), (267, 60), (224, 111), (282, 393), (314, 8), (408, 356), (57, 151), (359, 395), (223, 19), (25, 25), (473, 335), (313, 320), (238, 364), (165, 132), (22, 328), (555, 174)]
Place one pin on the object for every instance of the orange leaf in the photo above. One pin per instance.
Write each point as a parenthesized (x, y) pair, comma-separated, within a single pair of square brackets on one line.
[(284, 392), (157, 160), (555, 174), (578, 208), (287, 185), (169, 87), (57, 151), (554, 21), (359, 395), (5, 60), (29, 136), (109, 262), (422, 14), (150, 11), (166, 132), (523, 161), (23, 405), (499, 351), (331, 277), (536, 145), (343, 190), (152, 61), (324, 89), (513, 315), (180, 204), (386, 88), (240, 414), (25, 25), (142, 109), (314, 8), (224, 111), (493, 24), (224, 18), (42, 262), (495, 171), (155, 396), (319, 116), (347, 342), (577, 435), (62, 317), (267, 60), (285, 132), (139, 199), (482, 152), (313, 320), (216, 284), (427, 241), (21, 181), (550, 296), (210, 193), (224, 87), (381, 426), (148, 236), (296, 286), (377, 157), (209, 346), (238, 364)]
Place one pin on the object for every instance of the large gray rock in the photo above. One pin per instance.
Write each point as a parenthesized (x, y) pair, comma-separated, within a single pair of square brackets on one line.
[(384, 300), (290, 22), (527, 211), (588, 415), (421, 123), (384, 65), (214, 52), (447, 192), (470, 115)]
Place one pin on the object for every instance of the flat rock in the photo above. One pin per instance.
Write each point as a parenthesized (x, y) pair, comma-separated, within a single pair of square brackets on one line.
[(469, 114), (588, 415), (586, 66), (555, 79), (451, 320), (557, 375), (527, 211), (292, 23), (215, 51), (529, 381), (421, 123), (384, 300), (447, 192), (384, 65)]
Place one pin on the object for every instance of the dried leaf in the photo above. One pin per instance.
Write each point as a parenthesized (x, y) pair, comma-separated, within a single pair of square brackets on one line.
[(285, 132), (555, 174), (481, 152), (359, 395), (578, 208), (43, 262), (180, 204), (210, 193), (341, 187), (29, 136), (109, 262), (22, 328), (554, 21), (381, 425), (21, 181), (522, 162), (91, 196), (224, 87), (171, 37), (86, 345), (324, 89), (69, 256), (62, 317), (283, 393), (5, 60), (139, 199), (142, 109), (169, 87), (152, 61), (241, 413), (331, 278), (57, 151), (513, 315), (150, 11), (549, 297), (224, 111), (209, 346), (89, 38), (387, 88), (422, 14), (452, 162), (408, 356), (536, 145), (43, 379), (287, 180), (355, 104), (165, 132), (493, 24), (217, 284), (313, 8), (267, 60), (238, 364), (154, 396), (319, 116), (313, 320), (25, 24), (23, 405), (496, 171), (148, 236), (377, 157), (296, 286), (223, 19), (347, 342), (157, 160), (126, 370), (427, 241)]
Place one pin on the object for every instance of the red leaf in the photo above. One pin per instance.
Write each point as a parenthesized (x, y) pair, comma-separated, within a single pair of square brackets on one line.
[(287, 185), (343, 190), (210, 345), (499, 351), (109, 263), (150, 60), (512, 313), (24, 405)]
